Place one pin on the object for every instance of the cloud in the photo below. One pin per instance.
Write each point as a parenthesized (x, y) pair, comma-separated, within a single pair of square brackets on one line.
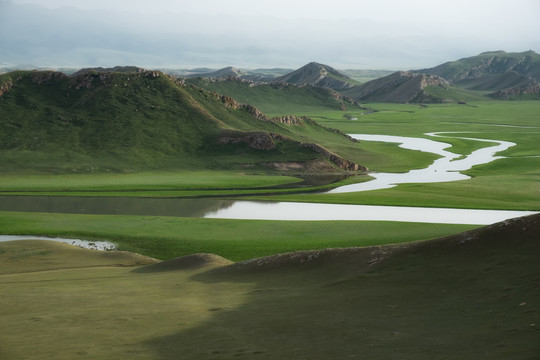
[(344, 33)]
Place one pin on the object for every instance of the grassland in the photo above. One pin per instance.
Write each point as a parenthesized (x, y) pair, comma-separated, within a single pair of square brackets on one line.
[(170, 237), (509, 183), (468, 296)]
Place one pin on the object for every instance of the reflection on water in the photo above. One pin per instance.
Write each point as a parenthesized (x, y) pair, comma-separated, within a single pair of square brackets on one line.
[(317, 212), (112, 205), (444, 169)]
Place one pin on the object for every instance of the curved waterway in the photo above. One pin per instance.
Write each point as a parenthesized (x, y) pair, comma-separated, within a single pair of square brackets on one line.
[(446, 168)]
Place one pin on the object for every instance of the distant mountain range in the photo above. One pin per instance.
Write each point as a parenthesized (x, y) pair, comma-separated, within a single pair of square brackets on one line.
[(497, 74)]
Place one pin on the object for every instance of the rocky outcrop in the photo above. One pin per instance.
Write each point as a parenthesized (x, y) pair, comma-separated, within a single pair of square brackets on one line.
[(336, 159), (85, 78), (516, 91), (40, 77), (401, 87), (290, 120), (116, 69), (5, 86), (36, 77), (255, 140), (267, 141)]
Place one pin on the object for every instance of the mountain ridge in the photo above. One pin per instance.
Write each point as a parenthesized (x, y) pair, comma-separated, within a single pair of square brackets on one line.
[(504, 74), (401, 86), (316, 74), (112, 118)]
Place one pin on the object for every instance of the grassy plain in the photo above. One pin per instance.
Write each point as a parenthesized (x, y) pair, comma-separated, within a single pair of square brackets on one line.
[(169, 237), (509, 183)]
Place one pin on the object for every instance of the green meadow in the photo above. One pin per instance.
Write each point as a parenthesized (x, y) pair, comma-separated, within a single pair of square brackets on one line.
[(299, 289), (165, 237), (510, 183)]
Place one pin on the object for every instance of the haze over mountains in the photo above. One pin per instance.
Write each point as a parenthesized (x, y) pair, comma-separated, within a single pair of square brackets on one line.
[(500, 74), (384, 34), (48, 115)]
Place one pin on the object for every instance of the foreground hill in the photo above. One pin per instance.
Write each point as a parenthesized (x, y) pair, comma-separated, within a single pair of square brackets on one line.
[(132, 118), (506, 74), (472, 295)]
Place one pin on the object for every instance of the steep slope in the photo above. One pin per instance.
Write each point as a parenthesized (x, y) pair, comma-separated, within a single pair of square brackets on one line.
[(499, 71), (405, 87), (100, 120), (278, 97), (489, 63), (318, 75), (459, 297)]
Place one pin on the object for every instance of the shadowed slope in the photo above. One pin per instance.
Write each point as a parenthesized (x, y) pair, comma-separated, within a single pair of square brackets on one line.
[(468, 296), (185, 262)]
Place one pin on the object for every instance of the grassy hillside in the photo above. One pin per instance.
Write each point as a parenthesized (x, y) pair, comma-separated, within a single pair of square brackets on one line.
[(278, 98), (468, 296), (318, 75), (507, 75), (489, 63), (410, 87), (126, 121)]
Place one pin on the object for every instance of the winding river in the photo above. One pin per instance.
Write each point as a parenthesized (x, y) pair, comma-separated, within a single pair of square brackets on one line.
[(445, 168)]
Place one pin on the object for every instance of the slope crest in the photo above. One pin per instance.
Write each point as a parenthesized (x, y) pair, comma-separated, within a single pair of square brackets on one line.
[(318, 75), (518, 237), (400, 87)]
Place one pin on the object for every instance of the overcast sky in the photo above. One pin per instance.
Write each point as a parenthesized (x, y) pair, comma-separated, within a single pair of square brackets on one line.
[(378, 34)]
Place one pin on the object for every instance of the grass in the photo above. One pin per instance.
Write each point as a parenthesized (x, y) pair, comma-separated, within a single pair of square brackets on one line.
[(169, 237), (511, 183), (462, 297), (133, 122), (286, 99)]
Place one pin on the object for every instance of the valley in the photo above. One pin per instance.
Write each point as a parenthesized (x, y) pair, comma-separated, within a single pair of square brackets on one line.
[(152, 162)]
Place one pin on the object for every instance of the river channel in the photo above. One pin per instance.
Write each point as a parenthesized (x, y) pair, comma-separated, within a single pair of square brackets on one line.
[(446, 168)]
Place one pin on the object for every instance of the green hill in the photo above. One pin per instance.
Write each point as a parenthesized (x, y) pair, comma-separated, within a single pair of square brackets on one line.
[(409, 87), (123, 121), (506, 74), (278, 97), (318, 75)]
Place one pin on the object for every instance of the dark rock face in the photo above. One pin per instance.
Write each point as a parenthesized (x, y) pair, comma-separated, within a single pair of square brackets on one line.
[(267, 141), (255, 140)]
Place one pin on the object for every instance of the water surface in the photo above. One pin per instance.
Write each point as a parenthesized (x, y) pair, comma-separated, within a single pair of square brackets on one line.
[(447, 168)]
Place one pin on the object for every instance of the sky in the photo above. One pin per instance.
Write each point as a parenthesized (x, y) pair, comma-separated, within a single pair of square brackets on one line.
[(346, 34)]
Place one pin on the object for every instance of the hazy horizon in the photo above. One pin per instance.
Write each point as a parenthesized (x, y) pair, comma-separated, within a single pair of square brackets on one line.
[(345, 34)]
